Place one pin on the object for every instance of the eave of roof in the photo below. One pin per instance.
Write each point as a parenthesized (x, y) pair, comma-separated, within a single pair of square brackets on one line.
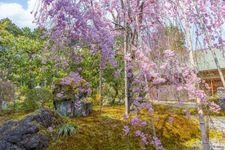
[(205, 61)]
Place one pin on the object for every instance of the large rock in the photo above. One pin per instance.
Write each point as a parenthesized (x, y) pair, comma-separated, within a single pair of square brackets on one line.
[(82, 108), (69, 96), (73, 108), (25, 134)]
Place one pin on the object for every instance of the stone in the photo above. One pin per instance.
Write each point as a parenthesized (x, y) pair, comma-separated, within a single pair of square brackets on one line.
[(106, 102), (4, 104), (74, 108), (36, 141), (4, 145), (69, 96), (84, 108), (25, 135)]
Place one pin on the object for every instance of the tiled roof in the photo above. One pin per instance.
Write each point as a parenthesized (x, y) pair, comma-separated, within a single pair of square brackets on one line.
[(204, 59)]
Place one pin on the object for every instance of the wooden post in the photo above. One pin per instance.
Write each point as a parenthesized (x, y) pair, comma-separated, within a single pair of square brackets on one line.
[(212, 87)]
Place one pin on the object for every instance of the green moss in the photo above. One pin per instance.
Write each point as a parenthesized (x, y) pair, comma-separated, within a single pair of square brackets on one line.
[(12, 116), (214, 134), (104, 131), (191, 143)]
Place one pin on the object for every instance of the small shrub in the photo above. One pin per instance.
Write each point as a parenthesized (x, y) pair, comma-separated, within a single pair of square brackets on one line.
[(36, 98), (7, 92), (67, 129), (13, 107), (214, 99)]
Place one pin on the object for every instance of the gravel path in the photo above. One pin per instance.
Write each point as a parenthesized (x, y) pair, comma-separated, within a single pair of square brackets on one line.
[(214, 145), (217, 123)]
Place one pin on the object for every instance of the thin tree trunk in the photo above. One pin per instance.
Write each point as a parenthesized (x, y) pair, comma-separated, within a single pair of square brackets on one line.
[(138, 44), (117, 92), (0, 105), (205, 140), (14, 100), (152, 119), (30, 71), (100, 83), (125, 50), (189, 43), (127, 107)]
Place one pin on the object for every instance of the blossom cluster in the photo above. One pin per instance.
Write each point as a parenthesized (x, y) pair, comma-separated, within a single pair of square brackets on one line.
[(71, 86)]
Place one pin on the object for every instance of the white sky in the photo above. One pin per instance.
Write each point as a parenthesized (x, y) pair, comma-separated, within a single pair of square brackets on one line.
[(18, 14)]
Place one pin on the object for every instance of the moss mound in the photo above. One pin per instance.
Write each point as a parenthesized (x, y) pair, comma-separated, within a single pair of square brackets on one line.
[(104, 131)]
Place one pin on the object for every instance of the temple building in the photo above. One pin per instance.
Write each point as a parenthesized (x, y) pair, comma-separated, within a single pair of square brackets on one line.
[(207, 68)]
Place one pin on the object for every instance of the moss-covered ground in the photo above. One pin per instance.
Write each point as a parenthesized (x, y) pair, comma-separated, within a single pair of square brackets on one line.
[(103, 130)]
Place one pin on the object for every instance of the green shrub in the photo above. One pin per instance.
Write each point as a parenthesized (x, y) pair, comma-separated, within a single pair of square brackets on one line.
[(67, 129), (36, 98), (13, 107), (112, 96), (214, 99)]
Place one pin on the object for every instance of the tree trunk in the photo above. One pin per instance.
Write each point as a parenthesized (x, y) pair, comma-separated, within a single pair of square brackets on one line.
[(30, 84), (125, 50), (205, 141), (14, 100), (100, 83), (152, 119), (127, 104), (117, 92), (1, 105)]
